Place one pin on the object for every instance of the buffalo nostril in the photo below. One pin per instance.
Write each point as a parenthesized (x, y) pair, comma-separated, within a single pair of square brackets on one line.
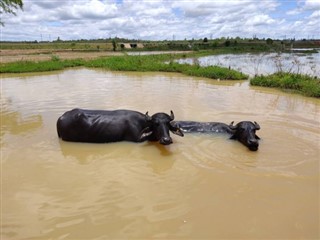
[(253, 148), (252, 141), (253, 144), (166, 140)]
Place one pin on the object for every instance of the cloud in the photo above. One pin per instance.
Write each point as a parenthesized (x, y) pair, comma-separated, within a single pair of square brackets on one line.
[(294, 11), (305, 5), (260, 20), (160, 19), (315, 15), (312, 5)]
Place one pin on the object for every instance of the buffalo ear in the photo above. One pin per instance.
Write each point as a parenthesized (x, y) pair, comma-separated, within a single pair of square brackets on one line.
[(231, 126), (234, 135), (148, 118), (145, 133), (257, 126), (176, 130)]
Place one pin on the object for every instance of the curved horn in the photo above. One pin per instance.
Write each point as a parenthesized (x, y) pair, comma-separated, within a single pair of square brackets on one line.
[(231, 125), (171, 115), (148, 118), (257, 125)]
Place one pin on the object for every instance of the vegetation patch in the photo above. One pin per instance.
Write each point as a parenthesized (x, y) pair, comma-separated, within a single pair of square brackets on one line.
[(143, 63), (303, 84), (164, 63), (215, 72), (43, 66)]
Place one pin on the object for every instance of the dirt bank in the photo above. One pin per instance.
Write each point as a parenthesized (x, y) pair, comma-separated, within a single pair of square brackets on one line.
[(47, 54)]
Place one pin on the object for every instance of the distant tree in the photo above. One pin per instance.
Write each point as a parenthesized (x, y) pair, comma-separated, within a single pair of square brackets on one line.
[(227, 43), (205, 39), (269, 41), (215, 43), (114, 44), (9, 6)]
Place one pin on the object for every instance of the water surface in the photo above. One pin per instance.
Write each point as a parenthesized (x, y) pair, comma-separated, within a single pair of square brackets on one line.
[(263, 63), (201, 186)]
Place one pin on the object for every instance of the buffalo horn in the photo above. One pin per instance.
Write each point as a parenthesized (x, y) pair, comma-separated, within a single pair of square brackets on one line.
[(148, 118), (257, 125), (171, 115), (231, 125)]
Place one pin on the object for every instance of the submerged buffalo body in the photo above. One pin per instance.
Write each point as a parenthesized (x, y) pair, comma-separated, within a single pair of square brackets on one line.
[(100, 126), (244, 131)]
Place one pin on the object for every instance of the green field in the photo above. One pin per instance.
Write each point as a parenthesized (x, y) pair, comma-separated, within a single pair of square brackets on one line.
[(233, 44)]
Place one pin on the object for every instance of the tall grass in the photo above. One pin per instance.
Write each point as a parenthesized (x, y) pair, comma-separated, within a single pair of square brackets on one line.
[(300, 83)]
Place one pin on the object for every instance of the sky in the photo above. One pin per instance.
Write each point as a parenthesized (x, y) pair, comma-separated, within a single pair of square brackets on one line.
[(46, 20)]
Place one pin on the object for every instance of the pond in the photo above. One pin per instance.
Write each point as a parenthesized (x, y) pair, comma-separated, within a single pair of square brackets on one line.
[(201, 186), (263, 63)]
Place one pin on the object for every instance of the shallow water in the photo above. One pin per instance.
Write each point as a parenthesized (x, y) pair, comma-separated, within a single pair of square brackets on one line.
[(201, 186), (263, 63)]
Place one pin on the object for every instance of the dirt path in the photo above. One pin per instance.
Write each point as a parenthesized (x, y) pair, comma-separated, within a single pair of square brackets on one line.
[(47, 54)]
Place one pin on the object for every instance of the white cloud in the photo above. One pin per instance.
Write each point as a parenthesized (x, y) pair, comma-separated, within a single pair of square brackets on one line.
[(158, 19), (294, 11), (260, 20), (305, 5), (315, 15), (312, 5)]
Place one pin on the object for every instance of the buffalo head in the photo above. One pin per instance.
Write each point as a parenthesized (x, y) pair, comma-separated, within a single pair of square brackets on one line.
[(245, 132), (159, 126)]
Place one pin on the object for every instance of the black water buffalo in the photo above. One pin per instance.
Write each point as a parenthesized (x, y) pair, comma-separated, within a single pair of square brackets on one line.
[(100, 126), (244, 131)]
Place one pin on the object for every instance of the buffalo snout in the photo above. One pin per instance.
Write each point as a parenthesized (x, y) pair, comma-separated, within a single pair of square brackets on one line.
[(253, 144), (166, 140)]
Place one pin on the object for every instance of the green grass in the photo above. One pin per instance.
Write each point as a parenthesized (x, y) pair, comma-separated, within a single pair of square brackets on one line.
[(164, 63), (43, 66), (215, 72), (303, 84), (143, 63)]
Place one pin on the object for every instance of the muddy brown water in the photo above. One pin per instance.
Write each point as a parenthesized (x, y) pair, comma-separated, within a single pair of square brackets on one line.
[(199, 187)]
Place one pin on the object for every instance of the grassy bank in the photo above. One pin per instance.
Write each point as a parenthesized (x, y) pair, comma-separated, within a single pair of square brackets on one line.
[(164, 63), (303, 84), (157, 63), (43, 66)]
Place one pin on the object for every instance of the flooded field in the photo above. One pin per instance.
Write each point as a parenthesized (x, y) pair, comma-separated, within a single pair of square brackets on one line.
[(263, 63), (199, 187)]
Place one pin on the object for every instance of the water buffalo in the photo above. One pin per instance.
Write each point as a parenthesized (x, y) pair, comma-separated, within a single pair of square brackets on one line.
[(100, 126), (244, 131)]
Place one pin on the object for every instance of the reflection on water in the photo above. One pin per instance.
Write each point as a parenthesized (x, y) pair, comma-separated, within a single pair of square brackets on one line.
[(263, 63), (201, 186), (15, 124)]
